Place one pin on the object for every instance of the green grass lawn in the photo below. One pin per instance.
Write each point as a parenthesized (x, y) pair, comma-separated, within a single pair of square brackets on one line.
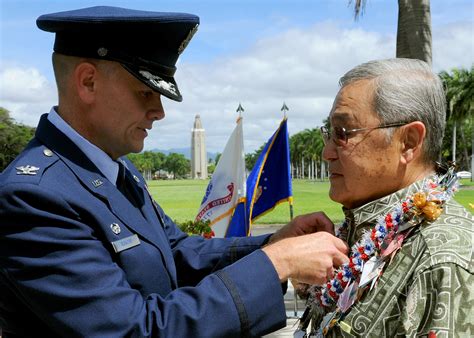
[(181, 199)]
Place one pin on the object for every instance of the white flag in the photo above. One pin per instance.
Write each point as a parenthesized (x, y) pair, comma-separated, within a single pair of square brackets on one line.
[(227, 186)]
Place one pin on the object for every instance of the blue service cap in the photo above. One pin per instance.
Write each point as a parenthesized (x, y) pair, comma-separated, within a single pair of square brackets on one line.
[(145, 43)]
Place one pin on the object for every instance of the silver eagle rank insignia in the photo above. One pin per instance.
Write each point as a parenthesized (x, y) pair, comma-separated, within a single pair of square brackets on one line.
[(27, 170)]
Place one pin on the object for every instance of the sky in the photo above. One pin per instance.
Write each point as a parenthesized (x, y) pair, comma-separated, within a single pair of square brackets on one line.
[(259, 53)]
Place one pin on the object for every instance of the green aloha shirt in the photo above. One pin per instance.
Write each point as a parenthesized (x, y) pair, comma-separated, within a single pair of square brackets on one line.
[(428, 287)]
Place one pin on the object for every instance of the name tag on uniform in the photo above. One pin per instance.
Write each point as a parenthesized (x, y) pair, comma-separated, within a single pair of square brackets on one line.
[(126, 243)]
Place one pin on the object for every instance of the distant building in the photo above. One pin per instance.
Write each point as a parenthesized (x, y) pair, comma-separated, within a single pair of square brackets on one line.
[(198, 151)]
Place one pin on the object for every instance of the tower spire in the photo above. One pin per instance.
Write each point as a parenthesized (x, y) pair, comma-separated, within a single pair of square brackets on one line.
[(198, 150)]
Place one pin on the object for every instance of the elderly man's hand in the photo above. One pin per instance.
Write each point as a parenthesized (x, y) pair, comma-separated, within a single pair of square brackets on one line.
[(303, 225), (309, 258)]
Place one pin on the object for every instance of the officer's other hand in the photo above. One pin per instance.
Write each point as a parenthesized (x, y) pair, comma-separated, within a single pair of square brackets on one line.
[(309, 258), (303, 225)]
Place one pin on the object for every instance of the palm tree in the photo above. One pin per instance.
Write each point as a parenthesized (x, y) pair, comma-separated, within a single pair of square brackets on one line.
[(306, 153), (413, 30), (460, 103), (314, 148), (297, 148)]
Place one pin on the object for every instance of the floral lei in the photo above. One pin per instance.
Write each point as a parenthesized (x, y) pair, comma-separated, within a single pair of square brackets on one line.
[(426, 204)]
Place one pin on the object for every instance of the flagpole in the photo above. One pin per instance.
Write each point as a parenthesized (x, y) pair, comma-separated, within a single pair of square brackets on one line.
[(240, 110), (284, 109)]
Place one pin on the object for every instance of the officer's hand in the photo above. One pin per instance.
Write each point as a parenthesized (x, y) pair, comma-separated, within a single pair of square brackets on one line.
[(304, 224), (309, 258)]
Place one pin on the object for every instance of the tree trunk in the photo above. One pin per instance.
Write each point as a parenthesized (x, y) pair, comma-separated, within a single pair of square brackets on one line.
[(465, 157), (454, 142), (472, 156), (414, 30), (323, 171), (302, 167), (315, 170)]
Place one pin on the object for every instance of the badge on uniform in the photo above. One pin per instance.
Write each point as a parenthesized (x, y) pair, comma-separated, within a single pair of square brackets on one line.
[(97, 183), (27, 170), (126, 243), (115, 228)]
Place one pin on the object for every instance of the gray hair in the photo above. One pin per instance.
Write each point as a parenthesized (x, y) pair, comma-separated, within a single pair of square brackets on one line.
[(406, 90)]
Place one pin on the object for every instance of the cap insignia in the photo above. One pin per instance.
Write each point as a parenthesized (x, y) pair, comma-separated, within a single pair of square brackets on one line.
[(188, 38), (102, 51), (159, 82), (27, 170)]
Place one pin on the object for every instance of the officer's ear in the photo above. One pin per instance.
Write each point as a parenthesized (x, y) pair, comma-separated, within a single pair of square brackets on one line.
[(412, 138), (85, 77)]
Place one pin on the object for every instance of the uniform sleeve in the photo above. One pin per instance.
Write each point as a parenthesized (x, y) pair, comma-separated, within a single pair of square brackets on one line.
[(55, 265), (439, 303)]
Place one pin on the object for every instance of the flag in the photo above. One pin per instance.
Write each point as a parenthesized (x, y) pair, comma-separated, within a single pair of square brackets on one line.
[(268, 184), (226, 188)]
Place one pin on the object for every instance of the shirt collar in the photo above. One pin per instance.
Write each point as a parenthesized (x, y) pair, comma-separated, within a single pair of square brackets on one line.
[(363, 218), (107, 166)]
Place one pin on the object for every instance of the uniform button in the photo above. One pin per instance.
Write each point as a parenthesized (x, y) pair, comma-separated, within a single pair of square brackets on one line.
[(47, 152)]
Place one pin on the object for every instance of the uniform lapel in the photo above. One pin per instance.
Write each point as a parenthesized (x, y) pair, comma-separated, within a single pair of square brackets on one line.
[(100, 186)]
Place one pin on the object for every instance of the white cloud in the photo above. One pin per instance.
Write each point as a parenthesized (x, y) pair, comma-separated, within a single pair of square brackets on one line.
[(26, 94), (453, 46)]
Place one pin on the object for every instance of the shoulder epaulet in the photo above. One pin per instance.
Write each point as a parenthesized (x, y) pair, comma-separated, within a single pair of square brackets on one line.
[(30, 165)]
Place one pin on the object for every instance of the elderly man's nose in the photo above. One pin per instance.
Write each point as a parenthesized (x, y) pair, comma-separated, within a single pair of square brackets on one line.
[(329, 151)]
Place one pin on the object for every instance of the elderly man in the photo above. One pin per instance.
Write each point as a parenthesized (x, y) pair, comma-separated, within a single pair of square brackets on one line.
[(411, 263), (84, 249)]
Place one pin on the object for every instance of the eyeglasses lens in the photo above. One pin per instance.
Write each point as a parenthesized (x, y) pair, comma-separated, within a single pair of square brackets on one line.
[(339, 135)]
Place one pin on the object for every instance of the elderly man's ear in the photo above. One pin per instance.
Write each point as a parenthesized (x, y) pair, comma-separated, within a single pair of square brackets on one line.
[(412, 137), (85, 77)]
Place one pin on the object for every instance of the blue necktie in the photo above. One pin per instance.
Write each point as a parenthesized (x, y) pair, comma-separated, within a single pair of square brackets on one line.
[(128, 187)]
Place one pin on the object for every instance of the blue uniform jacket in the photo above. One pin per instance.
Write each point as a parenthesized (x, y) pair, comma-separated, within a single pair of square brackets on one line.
[(61, 276)]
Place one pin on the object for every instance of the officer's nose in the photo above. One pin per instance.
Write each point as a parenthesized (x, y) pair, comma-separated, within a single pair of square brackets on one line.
[(156, 111)]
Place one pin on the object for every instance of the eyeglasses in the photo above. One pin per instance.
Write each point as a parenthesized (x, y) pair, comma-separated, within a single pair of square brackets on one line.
[(340, 135)]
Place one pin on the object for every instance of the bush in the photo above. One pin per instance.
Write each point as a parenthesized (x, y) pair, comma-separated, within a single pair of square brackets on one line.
[(201, 228)]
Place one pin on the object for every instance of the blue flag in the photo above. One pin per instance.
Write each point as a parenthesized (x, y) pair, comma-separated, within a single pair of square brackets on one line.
[(268, 184)]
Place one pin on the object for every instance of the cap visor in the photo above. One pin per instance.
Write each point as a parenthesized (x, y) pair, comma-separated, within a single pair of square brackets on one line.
[(162, 84)]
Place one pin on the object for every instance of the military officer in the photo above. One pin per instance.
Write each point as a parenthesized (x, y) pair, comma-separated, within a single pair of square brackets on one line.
[(84, 249)]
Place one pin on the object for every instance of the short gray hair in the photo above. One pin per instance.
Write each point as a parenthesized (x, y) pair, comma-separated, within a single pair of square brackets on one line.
[(406, 90)]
